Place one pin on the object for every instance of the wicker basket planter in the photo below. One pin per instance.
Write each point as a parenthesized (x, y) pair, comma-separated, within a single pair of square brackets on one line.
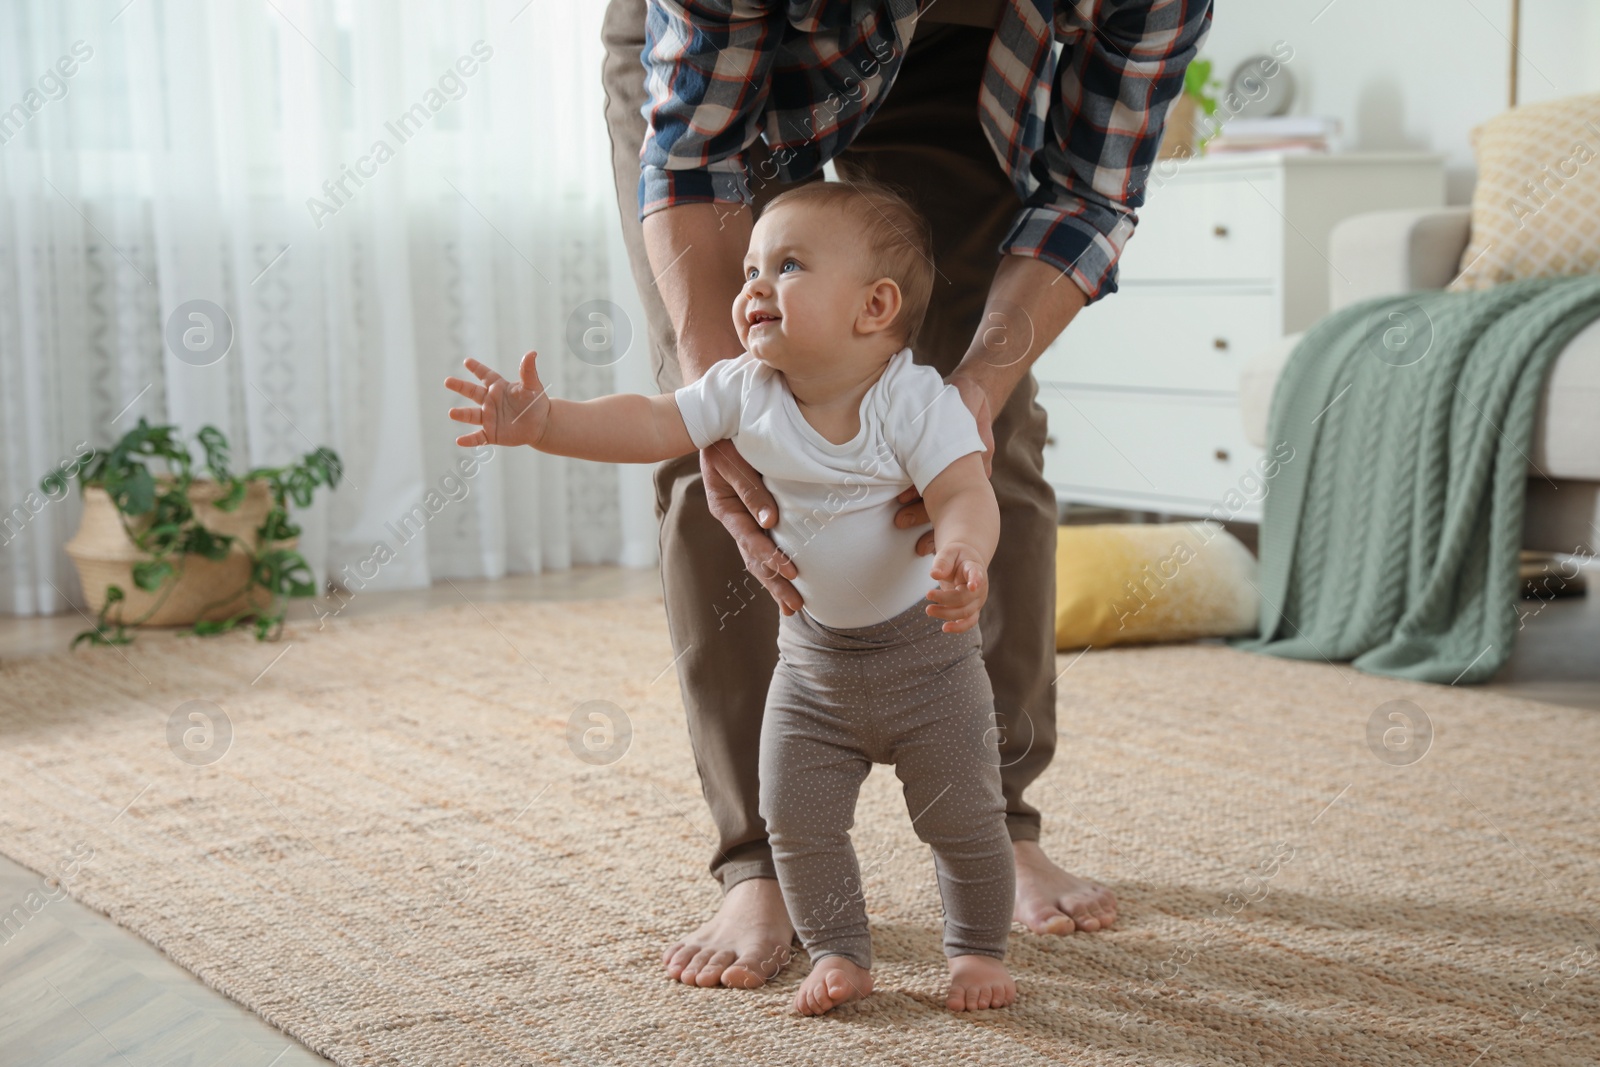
[(1181, 133), (203, 589)]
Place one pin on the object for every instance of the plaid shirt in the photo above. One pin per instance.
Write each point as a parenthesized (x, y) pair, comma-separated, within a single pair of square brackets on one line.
[(807, 75)]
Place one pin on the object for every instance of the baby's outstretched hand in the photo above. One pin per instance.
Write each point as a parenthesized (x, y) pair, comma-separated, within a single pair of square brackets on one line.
[(963, 587), (509, 413)]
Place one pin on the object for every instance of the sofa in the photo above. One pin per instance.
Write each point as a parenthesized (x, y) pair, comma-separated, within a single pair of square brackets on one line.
[(1389, 252)]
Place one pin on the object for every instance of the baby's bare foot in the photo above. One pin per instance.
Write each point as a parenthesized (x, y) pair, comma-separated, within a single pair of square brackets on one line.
[(978, 982), (832, 982), (747, 942)]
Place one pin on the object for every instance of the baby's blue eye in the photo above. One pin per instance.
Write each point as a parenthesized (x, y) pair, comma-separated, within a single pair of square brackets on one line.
[(751, 273), (790, 263)]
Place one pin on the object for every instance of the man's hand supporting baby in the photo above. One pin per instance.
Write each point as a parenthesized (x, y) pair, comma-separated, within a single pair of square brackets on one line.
[(966, 528)]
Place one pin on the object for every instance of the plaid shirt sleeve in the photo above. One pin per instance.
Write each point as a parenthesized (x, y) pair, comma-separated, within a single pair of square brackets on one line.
[(1077, 138), (1117, 82), (706, 77), (721, 73)]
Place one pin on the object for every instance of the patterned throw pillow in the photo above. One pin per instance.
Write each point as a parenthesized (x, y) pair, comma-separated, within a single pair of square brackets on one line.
[(1536, 207)]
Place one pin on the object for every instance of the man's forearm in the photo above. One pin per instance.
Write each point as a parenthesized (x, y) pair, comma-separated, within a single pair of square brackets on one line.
[(1030, 303), (695, 252)]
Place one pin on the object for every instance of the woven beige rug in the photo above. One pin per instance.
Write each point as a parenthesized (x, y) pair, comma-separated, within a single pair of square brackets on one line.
[(401, 858)]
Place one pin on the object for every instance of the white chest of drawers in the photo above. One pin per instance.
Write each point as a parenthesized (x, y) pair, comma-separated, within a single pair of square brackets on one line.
[(1229, 255)]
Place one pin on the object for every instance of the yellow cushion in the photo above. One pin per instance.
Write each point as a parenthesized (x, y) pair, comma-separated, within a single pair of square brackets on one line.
[(1536, 206), (1126, 584)]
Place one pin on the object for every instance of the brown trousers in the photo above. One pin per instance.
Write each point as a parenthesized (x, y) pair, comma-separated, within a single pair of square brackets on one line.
[(925, 140)]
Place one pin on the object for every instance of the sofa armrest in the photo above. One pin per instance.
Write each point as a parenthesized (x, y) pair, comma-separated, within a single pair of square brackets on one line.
[(1256, 382), (1384, 252)]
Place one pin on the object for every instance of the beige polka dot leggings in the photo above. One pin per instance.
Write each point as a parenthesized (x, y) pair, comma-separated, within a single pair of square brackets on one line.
[(904, 692)]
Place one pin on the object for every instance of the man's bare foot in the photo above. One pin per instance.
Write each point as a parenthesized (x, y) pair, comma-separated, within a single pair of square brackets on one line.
[(978, 982), (747, 942), (1051, 901), (832, 982)]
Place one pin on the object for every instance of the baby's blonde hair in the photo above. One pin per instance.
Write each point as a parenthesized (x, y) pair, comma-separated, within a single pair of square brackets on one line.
[(899, 238)]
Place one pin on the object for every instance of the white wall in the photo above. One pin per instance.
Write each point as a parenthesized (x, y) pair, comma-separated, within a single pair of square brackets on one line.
[(1414, 74)]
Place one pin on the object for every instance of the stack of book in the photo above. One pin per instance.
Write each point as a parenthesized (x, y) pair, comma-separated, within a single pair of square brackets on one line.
[(1276, 133)]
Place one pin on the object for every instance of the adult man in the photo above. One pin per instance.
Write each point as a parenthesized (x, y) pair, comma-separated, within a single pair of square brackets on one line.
[(1029, 170)]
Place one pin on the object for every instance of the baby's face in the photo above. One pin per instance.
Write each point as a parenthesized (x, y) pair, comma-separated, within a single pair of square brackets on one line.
[(804, 287)]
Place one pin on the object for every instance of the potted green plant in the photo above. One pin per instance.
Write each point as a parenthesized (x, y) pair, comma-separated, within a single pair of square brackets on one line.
[(1197, 86), (159, 546), (1182, 137)]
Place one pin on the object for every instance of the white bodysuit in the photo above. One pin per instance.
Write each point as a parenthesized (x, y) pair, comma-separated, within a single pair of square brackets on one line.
[(836, 503)]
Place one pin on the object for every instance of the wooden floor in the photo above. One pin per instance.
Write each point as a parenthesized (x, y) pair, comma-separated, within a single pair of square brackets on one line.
[(77, 989)]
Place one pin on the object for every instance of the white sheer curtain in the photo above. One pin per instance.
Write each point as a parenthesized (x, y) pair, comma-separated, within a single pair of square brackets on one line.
[(371, 191)]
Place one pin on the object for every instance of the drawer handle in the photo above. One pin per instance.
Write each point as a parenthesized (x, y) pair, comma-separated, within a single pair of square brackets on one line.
[(1220, 231), (1222, 455), (1220, 344)]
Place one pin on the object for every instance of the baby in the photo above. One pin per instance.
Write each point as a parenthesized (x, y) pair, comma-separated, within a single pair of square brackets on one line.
[(827, 404)]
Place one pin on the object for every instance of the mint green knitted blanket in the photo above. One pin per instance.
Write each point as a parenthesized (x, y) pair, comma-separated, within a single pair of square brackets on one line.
[(1390, 533)]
